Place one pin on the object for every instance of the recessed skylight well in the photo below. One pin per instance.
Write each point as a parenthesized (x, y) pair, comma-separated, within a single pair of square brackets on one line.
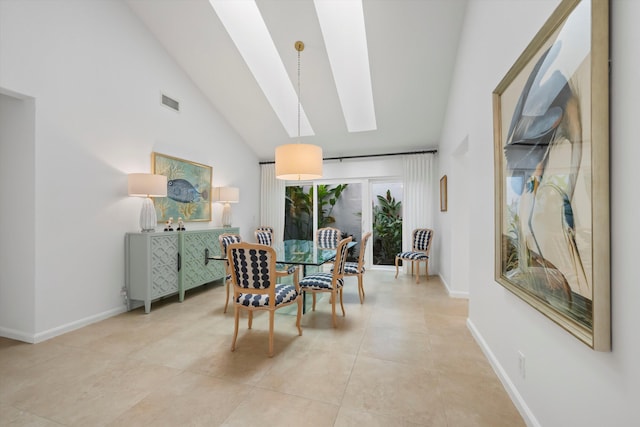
[(343, 30), (247, 29)]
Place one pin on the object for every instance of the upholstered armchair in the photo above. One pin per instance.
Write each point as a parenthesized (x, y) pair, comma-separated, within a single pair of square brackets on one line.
[(254, 276), (421, 239), (332, 282)]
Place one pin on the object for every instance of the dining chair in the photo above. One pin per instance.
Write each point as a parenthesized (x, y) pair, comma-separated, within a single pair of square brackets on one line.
[(266, 228), (421, 239), (264, 237), (225, 240), (254, 276), (332, 282), (328, 237), (357, 268)]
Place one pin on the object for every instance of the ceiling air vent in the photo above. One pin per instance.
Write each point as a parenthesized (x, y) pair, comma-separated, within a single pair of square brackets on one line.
[(170, 102)]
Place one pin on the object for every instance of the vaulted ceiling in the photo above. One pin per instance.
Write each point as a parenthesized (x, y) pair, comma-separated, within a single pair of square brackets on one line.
[(412, 48)]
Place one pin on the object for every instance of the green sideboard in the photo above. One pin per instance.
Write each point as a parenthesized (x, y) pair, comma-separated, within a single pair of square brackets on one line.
[(165, 263)]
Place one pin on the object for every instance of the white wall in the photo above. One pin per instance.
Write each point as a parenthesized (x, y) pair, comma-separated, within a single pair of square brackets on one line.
[(17, 213), (96, 75), (566, 383)]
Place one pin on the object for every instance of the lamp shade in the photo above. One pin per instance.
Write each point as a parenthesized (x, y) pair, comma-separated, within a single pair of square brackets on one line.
[(298, 162), (226, 194), (147, 185)]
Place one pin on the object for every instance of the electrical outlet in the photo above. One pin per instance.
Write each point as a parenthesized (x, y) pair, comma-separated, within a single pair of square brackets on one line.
[(522, 368)]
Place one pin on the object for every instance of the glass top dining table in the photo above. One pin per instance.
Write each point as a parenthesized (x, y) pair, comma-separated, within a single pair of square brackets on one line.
[(304, 252)]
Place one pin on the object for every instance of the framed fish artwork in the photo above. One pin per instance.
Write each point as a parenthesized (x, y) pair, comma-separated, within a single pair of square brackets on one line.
[(551, 148), (188, 189)]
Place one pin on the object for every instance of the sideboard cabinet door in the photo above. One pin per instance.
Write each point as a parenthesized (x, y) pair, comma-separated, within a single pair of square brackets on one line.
[(152, 264), (197, 270)]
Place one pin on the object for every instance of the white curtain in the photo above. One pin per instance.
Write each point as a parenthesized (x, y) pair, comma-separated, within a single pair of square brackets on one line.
[(272, 192), (419, 199)]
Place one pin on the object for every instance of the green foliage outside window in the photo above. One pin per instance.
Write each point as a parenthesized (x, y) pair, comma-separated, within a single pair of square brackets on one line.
[(387, 229)]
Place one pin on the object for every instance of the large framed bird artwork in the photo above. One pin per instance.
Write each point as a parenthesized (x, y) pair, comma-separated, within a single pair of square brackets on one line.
[(188, 189), (551, 150)]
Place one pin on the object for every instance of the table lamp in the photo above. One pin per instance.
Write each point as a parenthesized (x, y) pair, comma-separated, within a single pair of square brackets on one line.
[(147, 185), (226, 195)]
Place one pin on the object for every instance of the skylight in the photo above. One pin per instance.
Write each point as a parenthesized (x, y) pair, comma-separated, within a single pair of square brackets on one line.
[(342, 25), (343, 30), (247, 29)]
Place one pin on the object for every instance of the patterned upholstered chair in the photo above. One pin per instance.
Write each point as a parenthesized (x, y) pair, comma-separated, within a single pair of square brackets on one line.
[(328, 237), (264, 237), (225, 240), (266, 228), (332, 282), (254, 275), (421, 239), (357, 268)]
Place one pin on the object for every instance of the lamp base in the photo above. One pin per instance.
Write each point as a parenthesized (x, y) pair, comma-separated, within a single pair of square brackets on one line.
[(226, 215), (148, 218)]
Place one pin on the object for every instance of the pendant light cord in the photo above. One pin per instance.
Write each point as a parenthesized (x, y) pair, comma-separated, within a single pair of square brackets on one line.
[(299, 50)]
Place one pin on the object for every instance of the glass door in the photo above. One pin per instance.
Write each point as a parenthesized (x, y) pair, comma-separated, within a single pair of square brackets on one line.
[(386, 218), (309, 206)]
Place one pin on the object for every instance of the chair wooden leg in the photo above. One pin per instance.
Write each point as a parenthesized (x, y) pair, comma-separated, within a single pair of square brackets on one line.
[(235, 330), (333, 311), (426, 267), (313, 305), (418, 271), (397, 259), (226, 302), (360, 288), (341, 305), (299, 314), (250, 318), (271, 313)]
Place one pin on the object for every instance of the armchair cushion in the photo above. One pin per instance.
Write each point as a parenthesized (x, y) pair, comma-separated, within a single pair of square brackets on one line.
[(412, 255), (319, 281), (284, 294)]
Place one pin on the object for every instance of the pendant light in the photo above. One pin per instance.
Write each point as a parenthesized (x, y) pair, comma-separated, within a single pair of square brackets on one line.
[(298, 162)]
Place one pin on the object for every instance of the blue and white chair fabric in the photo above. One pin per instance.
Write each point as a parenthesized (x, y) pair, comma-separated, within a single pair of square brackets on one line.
[(328, 238), (421, 239), (329, 282), (357, 268), (266, 228), (255, 287), (264, 236), (225, 240)]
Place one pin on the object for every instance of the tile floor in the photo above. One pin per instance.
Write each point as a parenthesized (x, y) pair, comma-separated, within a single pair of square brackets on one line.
[(404, 358)]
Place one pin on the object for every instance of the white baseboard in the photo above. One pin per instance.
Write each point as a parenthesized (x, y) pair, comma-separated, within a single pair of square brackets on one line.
[(16, 335), (63, 329), (453, 294), (515, 396)]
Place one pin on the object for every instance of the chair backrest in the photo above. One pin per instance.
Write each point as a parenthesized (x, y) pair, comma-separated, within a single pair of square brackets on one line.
[(363, 248), (226, 239), (422, 238), (264, 237), (328, 237), (265, 228), (251, 267), (341, 258)]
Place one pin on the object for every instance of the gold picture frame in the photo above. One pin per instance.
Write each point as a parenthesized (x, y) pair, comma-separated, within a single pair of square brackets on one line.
[(188, 189), (551, 149), (443, 193)]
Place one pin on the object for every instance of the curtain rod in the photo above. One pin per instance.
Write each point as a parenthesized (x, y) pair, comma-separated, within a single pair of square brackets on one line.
[(433, 151)]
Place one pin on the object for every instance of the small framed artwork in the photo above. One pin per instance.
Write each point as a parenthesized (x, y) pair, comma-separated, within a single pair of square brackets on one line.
[(188, 189), (443, 194), (551, 151)]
